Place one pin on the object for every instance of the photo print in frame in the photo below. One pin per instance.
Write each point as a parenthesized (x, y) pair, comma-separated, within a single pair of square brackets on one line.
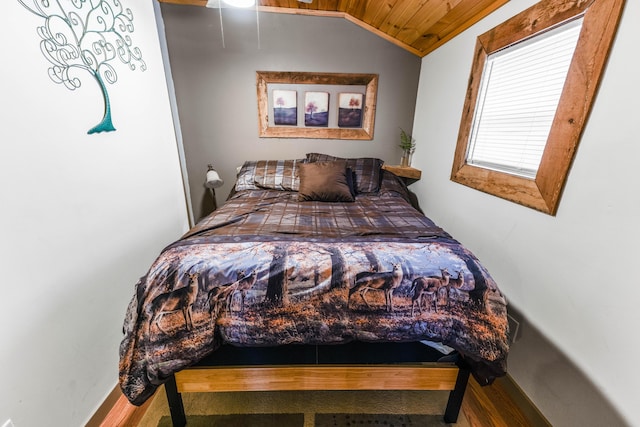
[(316, 109), (285, 107), (350, 110)]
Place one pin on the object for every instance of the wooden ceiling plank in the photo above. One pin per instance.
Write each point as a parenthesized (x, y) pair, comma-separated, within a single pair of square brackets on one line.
[(372, 8), (383, 35), (425, 18), (342, 5), (295, 3), (327, 4), (382, 12), (334, 14), (346, 5), (400, 13), (464, 16), (358, 8)]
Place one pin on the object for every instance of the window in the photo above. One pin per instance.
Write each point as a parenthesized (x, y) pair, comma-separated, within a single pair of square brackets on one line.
[(519, 94), (529, 95)]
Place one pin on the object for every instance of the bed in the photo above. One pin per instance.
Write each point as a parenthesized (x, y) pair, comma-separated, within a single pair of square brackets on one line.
[(316, 273)]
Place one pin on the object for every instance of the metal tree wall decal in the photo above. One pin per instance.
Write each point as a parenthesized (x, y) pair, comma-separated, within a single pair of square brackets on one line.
[(86, 35)]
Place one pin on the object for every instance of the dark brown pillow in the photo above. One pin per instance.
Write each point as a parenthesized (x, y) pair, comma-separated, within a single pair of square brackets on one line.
[(324, 182), (366, 169)]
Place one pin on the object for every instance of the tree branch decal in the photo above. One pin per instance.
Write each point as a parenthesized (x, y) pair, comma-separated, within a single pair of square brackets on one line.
[(86, 36)]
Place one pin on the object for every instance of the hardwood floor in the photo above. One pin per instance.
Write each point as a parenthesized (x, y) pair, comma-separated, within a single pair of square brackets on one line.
[(502, 403), (121, 414)]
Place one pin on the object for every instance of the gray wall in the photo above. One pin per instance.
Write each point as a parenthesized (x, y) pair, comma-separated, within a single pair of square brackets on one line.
[(216, 86)]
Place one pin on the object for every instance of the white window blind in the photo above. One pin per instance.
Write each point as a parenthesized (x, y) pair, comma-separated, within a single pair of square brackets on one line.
[(519, 94)]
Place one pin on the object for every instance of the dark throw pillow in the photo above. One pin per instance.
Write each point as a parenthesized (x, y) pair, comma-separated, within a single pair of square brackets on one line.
[(367, 170), (324, 182)]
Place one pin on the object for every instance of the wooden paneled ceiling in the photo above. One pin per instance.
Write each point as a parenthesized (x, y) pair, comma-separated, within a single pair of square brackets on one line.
[(419, 26)]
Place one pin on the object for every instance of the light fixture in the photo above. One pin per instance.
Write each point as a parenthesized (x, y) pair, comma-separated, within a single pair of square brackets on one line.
[(213, 179), (212, 182), (217, 4), (240, 3)]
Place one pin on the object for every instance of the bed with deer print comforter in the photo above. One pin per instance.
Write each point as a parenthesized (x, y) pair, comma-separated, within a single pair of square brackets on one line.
[(266, 270)]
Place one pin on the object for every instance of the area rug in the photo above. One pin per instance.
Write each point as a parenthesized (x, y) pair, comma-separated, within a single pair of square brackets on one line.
[(382, 408), (240, 420), (321, 420), (383, 420)]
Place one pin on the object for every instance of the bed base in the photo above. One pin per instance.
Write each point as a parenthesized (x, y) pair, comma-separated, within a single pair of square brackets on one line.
[(328, 372)]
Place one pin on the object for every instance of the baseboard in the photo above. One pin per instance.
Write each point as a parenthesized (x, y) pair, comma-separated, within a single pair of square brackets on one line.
[(116, 411)]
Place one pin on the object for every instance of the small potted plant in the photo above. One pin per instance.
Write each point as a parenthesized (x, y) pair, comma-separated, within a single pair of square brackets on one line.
[(408, 145)]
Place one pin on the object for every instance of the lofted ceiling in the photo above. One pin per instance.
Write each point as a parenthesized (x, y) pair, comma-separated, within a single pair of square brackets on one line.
[(419, 26)]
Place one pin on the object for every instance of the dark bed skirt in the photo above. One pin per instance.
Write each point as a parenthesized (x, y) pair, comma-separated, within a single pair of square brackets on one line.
[(356, 352)]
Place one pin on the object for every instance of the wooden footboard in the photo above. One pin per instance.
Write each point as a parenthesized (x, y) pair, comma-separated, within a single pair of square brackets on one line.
[(317, 377), (422, 376)]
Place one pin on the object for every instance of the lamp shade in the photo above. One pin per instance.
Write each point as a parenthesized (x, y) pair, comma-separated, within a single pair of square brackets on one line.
[(213, 179)]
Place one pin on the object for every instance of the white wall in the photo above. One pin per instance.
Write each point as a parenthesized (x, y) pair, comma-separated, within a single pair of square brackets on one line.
[(83, 217), (571, 275)]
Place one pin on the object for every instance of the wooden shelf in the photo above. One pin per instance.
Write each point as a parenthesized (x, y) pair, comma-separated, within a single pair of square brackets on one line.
[(404, 171)]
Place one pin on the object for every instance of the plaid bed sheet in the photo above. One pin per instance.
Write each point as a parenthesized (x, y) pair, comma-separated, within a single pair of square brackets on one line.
[(260, 214)]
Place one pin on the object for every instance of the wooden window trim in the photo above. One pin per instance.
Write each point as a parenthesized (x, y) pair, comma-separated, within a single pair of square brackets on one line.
[(543, 193)]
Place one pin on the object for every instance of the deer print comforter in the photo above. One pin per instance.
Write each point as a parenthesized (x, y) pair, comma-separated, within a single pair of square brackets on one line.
[(266, 270)]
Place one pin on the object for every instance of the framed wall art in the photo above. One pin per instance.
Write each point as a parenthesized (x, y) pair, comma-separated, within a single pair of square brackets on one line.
[(333, 105), (285, 107), (316, 109), (350, 110)]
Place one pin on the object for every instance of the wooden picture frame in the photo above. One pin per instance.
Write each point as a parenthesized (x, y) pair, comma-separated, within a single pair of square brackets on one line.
[(298, 79)]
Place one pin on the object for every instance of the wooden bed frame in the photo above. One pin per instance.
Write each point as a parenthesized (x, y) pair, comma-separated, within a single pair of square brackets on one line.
[(353, 366)]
